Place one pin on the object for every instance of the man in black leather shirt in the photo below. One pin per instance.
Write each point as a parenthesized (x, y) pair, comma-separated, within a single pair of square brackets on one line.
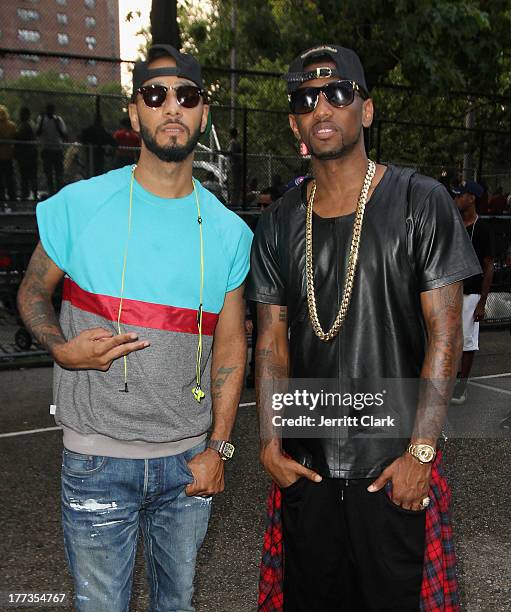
[(389, 307)]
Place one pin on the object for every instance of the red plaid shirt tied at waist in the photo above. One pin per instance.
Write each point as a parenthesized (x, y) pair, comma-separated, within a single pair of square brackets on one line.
[(439, 591)]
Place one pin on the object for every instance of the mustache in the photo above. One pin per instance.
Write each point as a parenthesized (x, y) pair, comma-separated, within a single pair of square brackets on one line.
[(174, 122), (323, 123)]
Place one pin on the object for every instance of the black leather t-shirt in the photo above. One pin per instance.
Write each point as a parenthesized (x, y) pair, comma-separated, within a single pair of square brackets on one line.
[(413, 240)]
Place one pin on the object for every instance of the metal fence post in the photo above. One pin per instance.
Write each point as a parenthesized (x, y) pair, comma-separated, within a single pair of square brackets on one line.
[(245, 165), (481, 156)]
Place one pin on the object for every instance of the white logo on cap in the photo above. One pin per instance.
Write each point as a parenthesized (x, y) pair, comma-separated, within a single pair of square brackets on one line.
[(316, 49)]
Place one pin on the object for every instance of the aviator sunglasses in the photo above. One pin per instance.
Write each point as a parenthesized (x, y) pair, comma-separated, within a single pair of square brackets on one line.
[(186, 95), (337, 93)]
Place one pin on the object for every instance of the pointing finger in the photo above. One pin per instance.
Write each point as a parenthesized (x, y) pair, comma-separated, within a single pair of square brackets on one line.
[(118, 340), (126, 349), (97, 333)]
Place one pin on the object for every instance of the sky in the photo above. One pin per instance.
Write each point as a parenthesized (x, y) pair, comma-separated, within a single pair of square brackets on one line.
[(127, 29), (128, 39)]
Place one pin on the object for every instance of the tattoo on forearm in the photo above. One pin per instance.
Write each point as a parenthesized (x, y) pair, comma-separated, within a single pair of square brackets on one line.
[(442, 310), (264, 317), (35, 305), (219, 380), (272, 364), (40, 319)]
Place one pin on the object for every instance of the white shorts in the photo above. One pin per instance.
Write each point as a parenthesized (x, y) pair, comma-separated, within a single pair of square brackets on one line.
[(470, 327)]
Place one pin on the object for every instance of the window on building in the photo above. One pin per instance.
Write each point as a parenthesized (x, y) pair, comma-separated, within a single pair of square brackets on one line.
[(28, 73), (63, 39), (62, 2), (90, 41), (64, 60), (90, 22), (29, 35), (62, 18), (90, 4), (28, 14), (30, 57), (92, 79), (1, 73), (91, 62)]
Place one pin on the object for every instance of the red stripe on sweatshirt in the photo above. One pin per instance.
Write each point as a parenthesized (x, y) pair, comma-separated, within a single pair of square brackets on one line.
[(138, 313)]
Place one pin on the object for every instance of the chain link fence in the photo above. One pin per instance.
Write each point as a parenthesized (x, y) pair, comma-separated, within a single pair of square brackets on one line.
[(91, 94)]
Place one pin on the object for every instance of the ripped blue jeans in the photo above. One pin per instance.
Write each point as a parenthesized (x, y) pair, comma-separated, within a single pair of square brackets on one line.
[(104, 502)]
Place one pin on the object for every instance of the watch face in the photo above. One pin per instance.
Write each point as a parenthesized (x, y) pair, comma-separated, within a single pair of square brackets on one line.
[(228, 450), (425, 454)]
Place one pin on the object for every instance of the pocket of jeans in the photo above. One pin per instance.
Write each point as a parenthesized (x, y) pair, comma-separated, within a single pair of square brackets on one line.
[(399, 509), (293, 486), (185, 468), (76, 464)]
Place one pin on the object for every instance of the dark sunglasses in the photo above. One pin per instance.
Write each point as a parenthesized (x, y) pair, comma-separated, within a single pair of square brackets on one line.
[(186, 95), (337, 93)]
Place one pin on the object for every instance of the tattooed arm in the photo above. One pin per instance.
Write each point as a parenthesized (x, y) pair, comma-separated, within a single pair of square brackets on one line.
[(441, 309), (272, 364), (34, 300), (227, 374), (442, 313), (92, 349)]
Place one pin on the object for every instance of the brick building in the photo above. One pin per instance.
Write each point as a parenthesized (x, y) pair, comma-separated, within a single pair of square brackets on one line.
[(82, 27)]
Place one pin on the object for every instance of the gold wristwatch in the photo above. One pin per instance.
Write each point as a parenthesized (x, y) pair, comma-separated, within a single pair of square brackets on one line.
[(422, 452)]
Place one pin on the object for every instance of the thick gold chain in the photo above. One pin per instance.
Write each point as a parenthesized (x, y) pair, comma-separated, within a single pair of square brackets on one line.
[(352, 261)]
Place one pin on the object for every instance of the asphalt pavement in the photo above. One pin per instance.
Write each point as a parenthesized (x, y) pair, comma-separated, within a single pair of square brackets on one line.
[(478, 467)]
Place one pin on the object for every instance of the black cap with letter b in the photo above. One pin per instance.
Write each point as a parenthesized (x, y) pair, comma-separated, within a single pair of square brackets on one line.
[(347, 66)]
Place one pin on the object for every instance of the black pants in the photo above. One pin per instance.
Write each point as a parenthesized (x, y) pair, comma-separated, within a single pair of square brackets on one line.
[(348, 550), (28, 176), (7, 182), (53, 166)]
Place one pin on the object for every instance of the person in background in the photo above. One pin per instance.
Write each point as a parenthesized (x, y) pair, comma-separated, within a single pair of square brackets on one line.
[(497, 202), (279, 188), (25, 153), (52, 133), (477, 287), (211, 184), (97, 140), (7, 132), (253, 191), (128, 144)]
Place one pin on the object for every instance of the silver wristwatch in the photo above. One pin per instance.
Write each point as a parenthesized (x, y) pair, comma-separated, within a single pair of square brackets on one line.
[(224, 448)]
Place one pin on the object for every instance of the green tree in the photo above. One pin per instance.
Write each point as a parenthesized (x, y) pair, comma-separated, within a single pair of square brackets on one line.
[(429, 48)]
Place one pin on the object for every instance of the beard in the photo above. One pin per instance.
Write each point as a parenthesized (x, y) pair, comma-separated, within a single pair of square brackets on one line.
[(171, 152), (342, 150)]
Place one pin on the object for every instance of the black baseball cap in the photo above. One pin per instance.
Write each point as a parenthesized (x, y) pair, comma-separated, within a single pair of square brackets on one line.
[(468, 187), (347, 62), (186, 66)]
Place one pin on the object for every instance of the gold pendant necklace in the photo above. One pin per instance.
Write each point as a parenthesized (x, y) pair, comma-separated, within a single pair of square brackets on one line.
[(352, 260)]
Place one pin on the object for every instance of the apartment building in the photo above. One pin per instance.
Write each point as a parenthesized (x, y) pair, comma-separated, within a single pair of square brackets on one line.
[(88, 28)]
